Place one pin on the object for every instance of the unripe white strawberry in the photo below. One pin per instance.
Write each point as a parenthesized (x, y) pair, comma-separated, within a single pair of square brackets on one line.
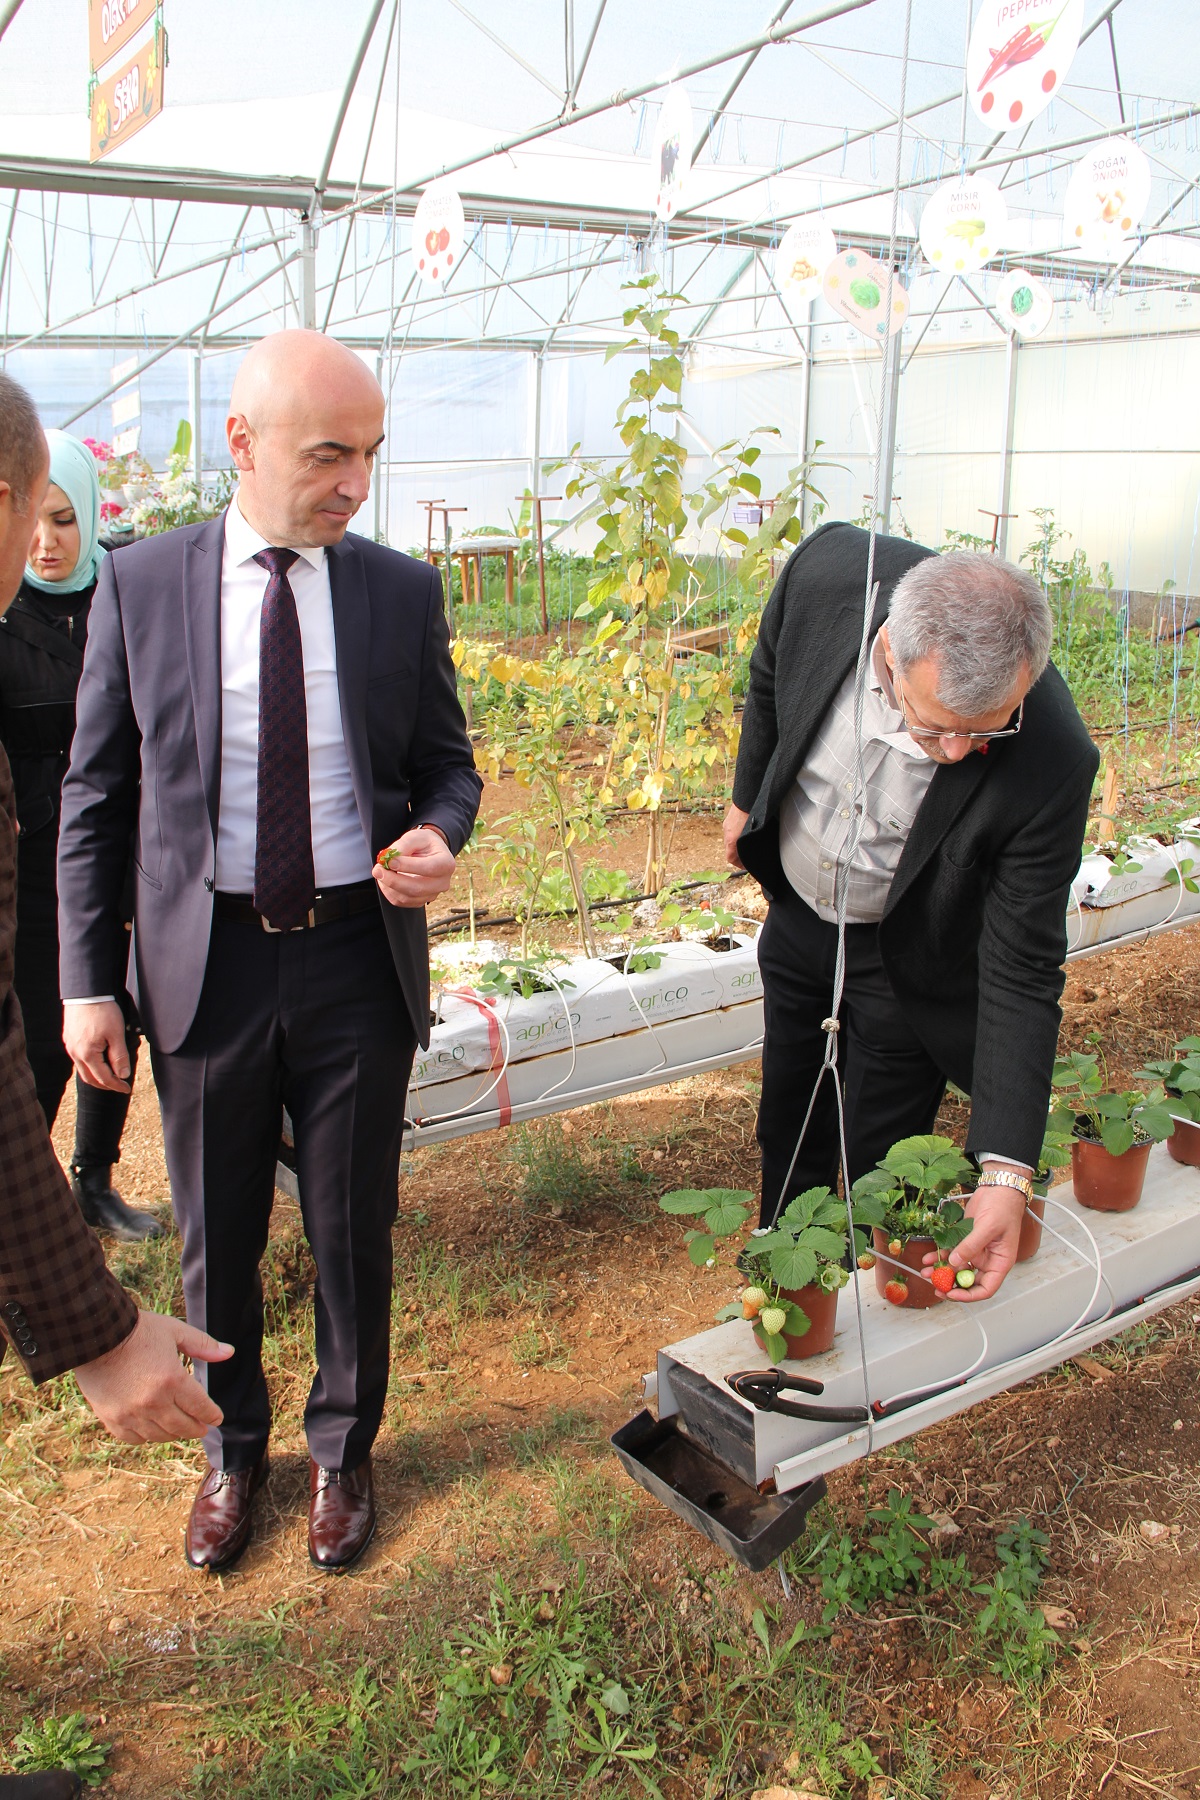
[(753, 1301), (772, 1319)]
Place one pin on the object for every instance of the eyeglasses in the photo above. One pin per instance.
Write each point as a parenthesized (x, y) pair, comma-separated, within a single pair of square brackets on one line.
[(920, 731)]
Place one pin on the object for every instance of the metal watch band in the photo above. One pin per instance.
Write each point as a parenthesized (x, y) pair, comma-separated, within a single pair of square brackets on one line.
[(1007, 1178)]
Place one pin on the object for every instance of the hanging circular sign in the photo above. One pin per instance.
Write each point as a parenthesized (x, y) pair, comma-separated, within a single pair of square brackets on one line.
[(1106, 196), (671, 152), (1024, 303), (439, 229), (1018, 57), (962, 225), (856, 286), (802, 259)]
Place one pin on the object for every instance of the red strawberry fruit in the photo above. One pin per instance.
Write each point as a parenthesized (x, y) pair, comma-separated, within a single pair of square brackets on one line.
[(866, 1260), (896, 1291), (942, 1277)]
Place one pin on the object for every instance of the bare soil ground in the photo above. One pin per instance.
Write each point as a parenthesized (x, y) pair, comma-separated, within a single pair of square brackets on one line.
[(535, 1282)]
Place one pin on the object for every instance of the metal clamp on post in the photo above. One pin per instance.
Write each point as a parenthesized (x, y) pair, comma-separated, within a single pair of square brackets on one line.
[(763, 1387)]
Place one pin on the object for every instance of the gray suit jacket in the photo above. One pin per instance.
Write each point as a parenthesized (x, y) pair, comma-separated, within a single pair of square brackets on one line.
[(146, 760)]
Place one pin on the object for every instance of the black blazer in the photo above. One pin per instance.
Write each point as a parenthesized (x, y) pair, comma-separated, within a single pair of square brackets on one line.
[(146, 760), (973, 936)]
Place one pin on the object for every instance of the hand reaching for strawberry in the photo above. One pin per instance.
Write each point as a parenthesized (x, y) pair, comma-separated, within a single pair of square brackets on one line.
[(416, 868)]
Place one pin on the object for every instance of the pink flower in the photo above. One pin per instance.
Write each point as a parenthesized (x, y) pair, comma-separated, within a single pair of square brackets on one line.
[(109, 509)]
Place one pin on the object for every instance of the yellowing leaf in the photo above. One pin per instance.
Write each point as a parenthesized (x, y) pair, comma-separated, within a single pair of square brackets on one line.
[(635, 800), (503, 668)]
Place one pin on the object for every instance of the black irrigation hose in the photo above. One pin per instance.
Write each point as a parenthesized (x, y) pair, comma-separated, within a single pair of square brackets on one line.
[(458, 915)]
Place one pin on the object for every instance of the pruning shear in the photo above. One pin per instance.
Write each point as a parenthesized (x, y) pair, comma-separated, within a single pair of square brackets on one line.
[(763, 1387)]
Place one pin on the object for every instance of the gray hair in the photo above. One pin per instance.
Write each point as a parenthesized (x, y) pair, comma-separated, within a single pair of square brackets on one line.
[(983, 621), (22, 441)]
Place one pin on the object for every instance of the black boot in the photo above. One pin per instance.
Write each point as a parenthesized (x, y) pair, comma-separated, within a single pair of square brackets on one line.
[(51, 1784), (104, 1210)]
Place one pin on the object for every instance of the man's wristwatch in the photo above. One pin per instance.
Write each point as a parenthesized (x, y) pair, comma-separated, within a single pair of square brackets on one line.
[(1007, 1178)]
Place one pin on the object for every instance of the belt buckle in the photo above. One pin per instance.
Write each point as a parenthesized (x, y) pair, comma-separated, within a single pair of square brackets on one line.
[(278, 930)]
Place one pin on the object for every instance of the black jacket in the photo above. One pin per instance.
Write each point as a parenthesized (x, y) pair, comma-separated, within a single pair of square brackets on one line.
[(41, 659), (973, 936)]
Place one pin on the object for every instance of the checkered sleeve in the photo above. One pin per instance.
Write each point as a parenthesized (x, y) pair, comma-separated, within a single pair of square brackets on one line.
[(59, 1306)]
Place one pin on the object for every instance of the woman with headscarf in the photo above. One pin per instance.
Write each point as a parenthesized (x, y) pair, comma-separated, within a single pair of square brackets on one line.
[(42, 638)]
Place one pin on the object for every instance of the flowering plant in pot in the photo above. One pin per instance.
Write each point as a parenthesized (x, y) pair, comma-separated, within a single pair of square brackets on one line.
[(795, 1273), (1180, 1076), (907, 1201), (1113, 1132)]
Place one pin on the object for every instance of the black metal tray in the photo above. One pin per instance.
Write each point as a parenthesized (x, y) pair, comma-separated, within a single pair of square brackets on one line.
[(751, 1527)]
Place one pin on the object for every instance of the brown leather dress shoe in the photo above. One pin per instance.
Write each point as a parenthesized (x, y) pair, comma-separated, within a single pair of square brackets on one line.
[(218, 1529), (341, 1514)]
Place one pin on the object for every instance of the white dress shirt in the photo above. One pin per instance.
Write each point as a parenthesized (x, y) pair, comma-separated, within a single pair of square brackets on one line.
[(340, 853)]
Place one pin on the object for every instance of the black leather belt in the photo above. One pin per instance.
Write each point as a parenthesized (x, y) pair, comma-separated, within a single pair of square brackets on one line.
[(329, 904)]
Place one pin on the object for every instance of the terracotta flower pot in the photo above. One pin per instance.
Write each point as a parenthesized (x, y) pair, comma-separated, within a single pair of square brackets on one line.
[(1031, 1229), (921, 1292), (820, 1308), (1184, 1142), (1105, 1182)]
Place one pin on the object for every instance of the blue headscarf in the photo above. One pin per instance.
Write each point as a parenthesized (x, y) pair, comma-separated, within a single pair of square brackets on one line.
[(73, 469)]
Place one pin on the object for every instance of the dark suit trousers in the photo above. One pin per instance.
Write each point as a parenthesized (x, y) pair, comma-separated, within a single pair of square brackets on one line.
[(891, 1085), (314, 1021)]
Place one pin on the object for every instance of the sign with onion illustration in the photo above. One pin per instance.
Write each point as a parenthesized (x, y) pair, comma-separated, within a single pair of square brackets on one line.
[(802, 259), (866, 294), (671, 152), (963, 225), (1024, 304), (1018, 57), (439, 228), (1106, 196)]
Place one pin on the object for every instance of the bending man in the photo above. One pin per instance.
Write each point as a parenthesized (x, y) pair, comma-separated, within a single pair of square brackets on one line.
[(976, 775)]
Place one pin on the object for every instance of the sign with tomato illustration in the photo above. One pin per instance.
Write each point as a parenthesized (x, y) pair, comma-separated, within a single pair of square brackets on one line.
[(1018, 57), (671, 152), (129, 99), (802, 259), (439, 230), (963, 225), (1024, 304), (863, 292), (1107, 194), (114, 23)]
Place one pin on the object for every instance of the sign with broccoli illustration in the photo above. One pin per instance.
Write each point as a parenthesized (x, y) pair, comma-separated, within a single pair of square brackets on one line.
[(128, 99), (1024, 304), (866, 294), (963, 225), (1018, 58)]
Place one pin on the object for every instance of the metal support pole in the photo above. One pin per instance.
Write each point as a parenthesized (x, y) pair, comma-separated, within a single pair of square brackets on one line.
[(535, 460), (1006, 453), (194, 414), (308, 273), (380, 475), (890, 399), (805, 409)]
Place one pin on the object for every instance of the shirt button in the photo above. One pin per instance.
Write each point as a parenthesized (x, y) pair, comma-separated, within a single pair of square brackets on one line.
[(827, 865), (845, 812)]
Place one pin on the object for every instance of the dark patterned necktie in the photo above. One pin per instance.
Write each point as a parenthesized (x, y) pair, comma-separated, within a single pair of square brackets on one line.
[(284, 883)]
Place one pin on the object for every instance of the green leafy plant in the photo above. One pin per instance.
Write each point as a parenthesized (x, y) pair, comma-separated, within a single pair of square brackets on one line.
[(807, 1246), (1117, 1120), (1055, 1152), (1180, 1077), (907, 1194), (721, 1212), (177, 498), (65, 1743), (516, 975), (708, 924)]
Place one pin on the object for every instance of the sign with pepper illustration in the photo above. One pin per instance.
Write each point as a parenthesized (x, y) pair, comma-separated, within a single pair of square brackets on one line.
[(865, 294), (802, 259), (671, 152), (439, 228), (1024, 304), (1018, 58), (129, 99), (1106, 196), (963, 225), (114, 23)]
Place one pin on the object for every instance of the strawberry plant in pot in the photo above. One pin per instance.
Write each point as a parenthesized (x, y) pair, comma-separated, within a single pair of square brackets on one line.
[(908, 1202), (795, 1272), (1055, 1153), (1112, 1134), (1180, 1075)]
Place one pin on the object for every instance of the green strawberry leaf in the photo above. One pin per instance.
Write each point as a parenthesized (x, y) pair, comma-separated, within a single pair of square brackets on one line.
[(732, 1311), (775, 1346), (830, 1246), (684, 1200), (798, 1321), (794, 1267), (700, 1247), (726, 1212)]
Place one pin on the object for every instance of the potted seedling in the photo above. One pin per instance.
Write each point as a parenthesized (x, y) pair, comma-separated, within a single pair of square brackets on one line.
[(1055, 1153), (1180, 1076), (913, 1203), (1113, 1132), (796, 1271)]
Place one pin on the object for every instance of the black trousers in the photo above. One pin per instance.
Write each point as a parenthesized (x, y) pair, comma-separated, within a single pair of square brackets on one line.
[(892, 1087), (99, 1114), (314, 1021)]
